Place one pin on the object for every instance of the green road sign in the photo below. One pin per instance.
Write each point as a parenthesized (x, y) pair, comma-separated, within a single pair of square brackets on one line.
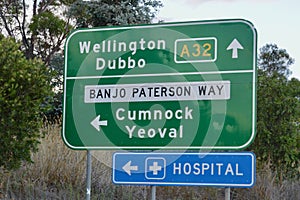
[(188, 85)]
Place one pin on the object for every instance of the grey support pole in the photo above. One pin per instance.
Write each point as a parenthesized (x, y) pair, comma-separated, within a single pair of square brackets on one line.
[(227, 193), (153, 192), (88, 175)]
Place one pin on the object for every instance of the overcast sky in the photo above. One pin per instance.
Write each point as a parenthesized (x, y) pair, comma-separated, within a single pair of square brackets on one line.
[(276, 21)]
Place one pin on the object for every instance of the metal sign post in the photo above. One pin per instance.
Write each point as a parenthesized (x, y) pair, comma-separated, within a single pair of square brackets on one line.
[(88, 174), (153, 192), (227, 193)]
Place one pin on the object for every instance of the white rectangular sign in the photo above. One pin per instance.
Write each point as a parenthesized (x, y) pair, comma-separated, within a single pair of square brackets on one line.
[(169, 91)]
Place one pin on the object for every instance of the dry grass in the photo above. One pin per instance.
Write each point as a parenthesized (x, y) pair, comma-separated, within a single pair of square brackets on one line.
[(55, 168), (268, 187), (59, 173)]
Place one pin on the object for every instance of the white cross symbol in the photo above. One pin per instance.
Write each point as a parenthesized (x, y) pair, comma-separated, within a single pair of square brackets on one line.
[(155, 168)]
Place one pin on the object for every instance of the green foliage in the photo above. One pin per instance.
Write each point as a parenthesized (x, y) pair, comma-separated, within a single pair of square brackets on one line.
[(278, 112), (274, 60), (49, 31), (23, 93), (108, 12), (41, 26), (56, 67)]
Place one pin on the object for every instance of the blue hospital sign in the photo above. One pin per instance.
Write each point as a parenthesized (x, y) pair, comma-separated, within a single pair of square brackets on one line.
[(207, 169)]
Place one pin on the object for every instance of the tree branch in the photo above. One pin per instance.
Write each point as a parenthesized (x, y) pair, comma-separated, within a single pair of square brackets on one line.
[(44, 7), (23, 32), (34, 7), (5, 24), (20, 27)]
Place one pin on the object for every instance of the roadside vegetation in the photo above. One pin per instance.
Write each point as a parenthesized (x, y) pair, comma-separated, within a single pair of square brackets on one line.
[(59, 173), (34, 162)]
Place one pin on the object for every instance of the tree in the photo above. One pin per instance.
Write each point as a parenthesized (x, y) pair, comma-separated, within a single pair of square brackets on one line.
[(113, 12), (24, 90), (274, 60), (278, 111), (41, 26)]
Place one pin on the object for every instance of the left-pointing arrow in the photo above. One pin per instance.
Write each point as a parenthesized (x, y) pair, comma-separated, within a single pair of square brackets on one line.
[(128, 168), (96, 123)]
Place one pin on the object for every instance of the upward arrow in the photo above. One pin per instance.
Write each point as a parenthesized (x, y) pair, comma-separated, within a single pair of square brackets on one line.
[(234, 46)]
